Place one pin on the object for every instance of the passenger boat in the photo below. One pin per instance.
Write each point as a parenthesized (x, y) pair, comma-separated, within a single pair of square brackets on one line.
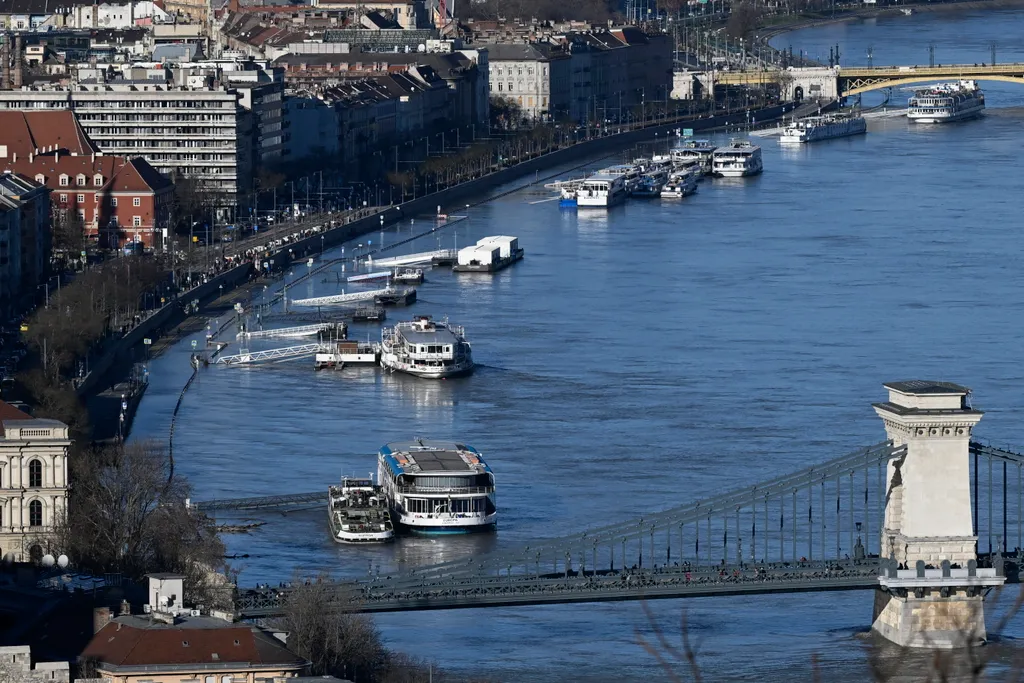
[(651, 183), (826, 127), (695, 151), (630, 174), (680, 185), (424, 348), (945, 102), (739, 159), (408, 276), (436, 487), (358, 512), (601, 190)]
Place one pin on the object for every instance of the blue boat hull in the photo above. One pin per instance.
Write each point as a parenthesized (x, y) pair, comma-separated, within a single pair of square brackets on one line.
[(449, 530)]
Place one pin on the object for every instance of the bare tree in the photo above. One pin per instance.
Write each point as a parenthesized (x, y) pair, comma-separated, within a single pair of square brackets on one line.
[(336, 643), (129, 515)]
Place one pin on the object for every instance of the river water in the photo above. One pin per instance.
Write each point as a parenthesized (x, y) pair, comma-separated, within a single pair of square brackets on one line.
[(639, 358)]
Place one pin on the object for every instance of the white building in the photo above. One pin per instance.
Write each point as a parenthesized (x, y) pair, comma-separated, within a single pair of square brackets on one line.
[(116, 15), (536, 77), (213, 121), (33, 482)]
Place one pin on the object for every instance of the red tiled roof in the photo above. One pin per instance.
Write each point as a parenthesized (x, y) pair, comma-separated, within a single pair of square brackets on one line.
[(122, 644), (9, 412), (119, 174), (25, 132)]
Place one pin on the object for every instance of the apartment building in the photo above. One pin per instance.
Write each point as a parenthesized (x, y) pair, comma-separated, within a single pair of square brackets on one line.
[(203, 121), (536, 77), (115, 199), (33, 482)]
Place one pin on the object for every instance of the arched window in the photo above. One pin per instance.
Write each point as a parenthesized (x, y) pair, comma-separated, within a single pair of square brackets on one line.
[(97, 180), (35, 513), (35, 473), (80, 180)]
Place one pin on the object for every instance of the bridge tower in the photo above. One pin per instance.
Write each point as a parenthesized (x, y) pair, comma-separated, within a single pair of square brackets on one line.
[(930, 592)]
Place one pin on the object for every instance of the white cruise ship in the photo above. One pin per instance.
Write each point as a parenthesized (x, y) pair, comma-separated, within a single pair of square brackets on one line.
[(826, 127), (358, 513), (422, 347), (436, 487), (739, 159), (601, 190), (944, 102), (695, 152)]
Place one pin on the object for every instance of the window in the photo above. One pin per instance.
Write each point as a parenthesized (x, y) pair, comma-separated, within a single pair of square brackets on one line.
[(501, 86), (136, 201), (136, 221), (80, 180), (35, 513), (113, 201), (81, 214), (41, 179), (97, 180), (35, 473), (63, 199), (510, 86), (80, 199)]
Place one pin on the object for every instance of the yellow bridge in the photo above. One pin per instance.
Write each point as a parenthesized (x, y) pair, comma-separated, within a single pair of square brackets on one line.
[(855, 80)]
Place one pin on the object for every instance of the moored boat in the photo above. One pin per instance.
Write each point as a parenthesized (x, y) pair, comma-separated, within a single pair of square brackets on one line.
[(601, 190), (680, 185), (739, 159), (358, 512), (428, 349), (408, 276), (436, 487), (346, 352), (825, 127)]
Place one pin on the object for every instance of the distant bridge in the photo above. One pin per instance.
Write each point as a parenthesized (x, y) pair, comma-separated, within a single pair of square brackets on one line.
[(849, 81), (856, 80)]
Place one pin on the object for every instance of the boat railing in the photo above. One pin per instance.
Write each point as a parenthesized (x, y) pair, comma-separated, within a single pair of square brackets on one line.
[(434, 491)]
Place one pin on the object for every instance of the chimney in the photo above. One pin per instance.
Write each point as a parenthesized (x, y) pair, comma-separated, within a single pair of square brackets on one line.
[(17, 62), (5, 61), (100, 618), (126, 609)]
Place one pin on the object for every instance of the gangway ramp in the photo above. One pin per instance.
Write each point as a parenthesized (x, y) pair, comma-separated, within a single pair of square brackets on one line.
[(297, 331), (286, 353), (333, 299), (281, 502), (416, 259)]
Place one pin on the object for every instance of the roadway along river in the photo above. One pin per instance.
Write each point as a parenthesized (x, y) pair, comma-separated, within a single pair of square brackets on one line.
[(646, 356)]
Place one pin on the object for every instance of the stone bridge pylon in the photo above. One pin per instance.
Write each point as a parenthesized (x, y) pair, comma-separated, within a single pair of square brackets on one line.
[(931, 590)]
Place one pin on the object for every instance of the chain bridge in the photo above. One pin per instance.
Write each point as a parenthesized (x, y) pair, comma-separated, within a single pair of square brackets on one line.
[(924, 518)]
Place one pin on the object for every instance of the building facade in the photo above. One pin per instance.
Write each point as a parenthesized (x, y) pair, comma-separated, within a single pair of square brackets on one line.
[(33, 483), (27, 243), (537, 77), (115, 199), (204, 121)]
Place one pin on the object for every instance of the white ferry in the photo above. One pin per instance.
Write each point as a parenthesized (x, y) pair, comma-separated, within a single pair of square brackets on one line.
[(437, 487), (358, 513), (422, 347), (602, 190), (680, 185), (739, 159), (825, 127), (630, 174), (695, 152), (944, 102)]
